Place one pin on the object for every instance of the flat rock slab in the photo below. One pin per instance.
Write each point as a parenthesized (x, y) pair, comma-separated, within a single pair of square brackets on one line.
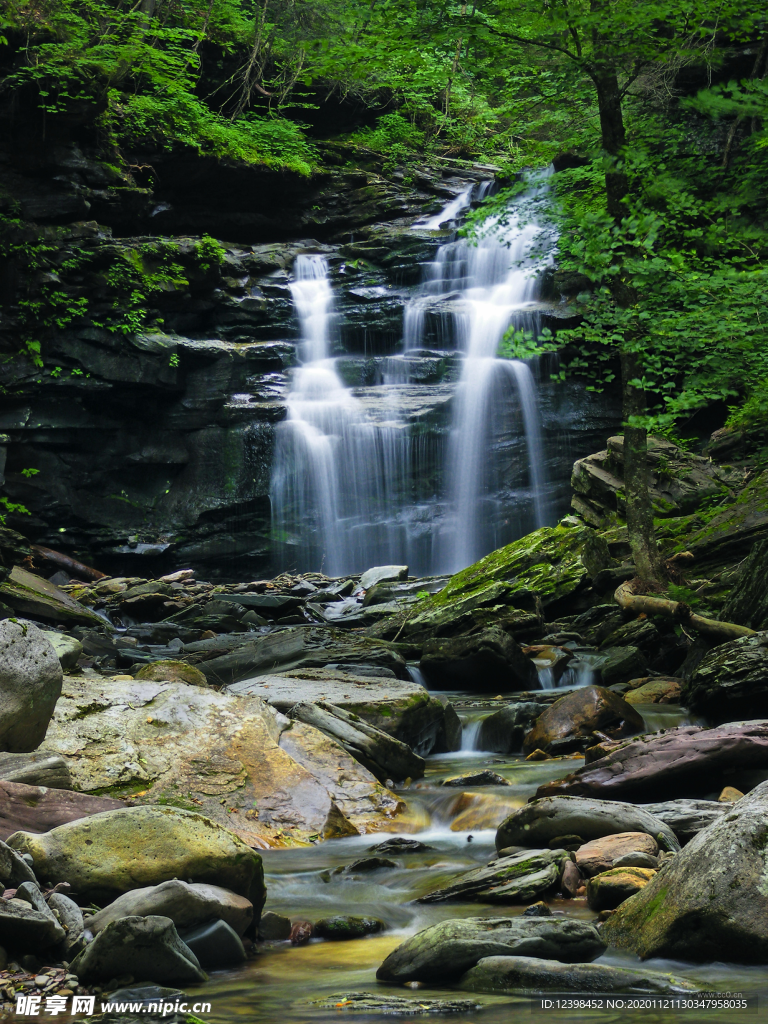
[(395, 1006), (686, 818), (235, 759), (39, 809), (39, 768), (32, 595), (519, 878), (444, 951), (687, 761), (531, 975), (710, 902), (404, 709), (548, 818)]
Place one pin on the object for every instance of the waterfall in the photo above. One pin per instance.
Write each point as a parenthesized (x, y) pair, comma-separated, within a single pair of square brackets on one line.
[(353, 484), (475, 292)]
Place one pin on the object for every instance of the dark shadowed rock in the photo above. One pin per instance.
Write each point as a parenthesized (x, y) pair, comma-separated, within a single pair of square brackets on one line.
[(710, 902), (505, 730), (527, 974), (345, 926), (572, 722), (444, 951), (547, 818), (516, 879), (731, 682), (686, 761), (401, 846), (148, 948), (747, 602), (215, 944), (488, 660), (483, 778)]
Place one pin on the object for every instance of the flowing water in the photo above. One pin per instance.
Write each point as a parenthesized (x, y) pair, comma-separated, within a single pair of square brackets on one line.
[(284, 983), (354, 483)]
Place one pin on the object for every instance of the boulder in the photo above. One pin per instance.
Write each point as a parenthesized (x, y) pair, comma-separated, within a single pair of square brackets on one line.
[(638, 633), (664, 690), (572, 722), (383, 574), (215, 944), (235, 759), (599, 855), (298, 648), (39, 809), (404, 709), (67, 648), (504, 731), (186, 904), (97, 855), (488, 660), (545, 819), (546, 565), (731, 681), (445, 951), (686, 818), (609, 889), (710, 902), (30, 685), (687, 761), (14, 870), (36, 768), (30, 595), (70, 917), (147, 948), (519, 878), (173, 671), (531, 975), (482, 778), (747, 602), (28, 925), (345, 927), (274, 927), (384, 756), (620, 664)]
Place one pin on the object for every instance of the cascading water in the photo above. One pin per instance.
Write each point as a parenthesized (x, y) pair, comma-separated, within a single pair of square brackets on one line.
[(353, 484), (482, 289)]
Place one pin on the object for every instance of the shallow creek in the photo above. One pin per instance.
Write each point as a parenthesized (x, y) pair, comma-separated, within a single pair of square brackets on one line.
[(283, 982)]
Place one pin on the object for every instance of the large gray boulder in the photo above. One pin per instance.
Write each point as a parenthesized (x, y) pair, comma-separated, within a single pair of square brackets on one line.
[(488, 660), (528, 974), (187, 904), (148, 948), (710, 902), (731, 682), (687, 818), (519, 878), (539, 822), (30, 685), (444, 951)]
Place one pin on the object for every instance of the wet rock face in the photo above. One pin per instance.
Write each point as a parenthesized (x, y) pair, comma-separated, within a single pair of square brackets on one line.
[(681, 762), (731, 682), (489, 660), (572, 722), (519, 878), (444, 951), (709, 898), (30, 685)]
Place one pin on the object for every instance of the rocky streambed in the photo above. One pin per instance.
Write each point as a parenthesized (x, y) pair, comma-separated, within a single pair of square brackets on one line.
[(379, 794)]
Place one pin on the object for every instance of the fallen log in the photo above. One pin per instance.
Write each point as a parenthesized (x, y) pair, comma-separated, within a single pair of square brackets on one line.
[(678, 611), (71, 565)]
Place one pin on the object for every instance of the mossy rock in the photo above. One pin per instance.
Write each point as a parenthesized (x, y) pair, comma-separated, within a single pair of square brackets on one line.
[(172, 672)]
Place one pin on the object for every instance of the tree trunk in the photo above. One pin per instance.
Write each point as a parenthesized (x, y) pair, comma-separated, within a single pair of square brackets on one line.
[(642, 536)]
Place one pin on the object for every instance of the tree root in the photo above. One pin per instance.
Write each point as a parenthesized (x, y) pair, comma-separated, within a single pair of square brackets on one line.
[(678, 611)]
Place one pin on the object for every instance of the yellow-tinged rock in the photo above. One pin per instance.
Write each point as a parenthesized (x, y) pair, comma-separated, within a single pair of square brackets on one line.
[(107, 854), (609, 889), (172, 671), (729, 795)]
